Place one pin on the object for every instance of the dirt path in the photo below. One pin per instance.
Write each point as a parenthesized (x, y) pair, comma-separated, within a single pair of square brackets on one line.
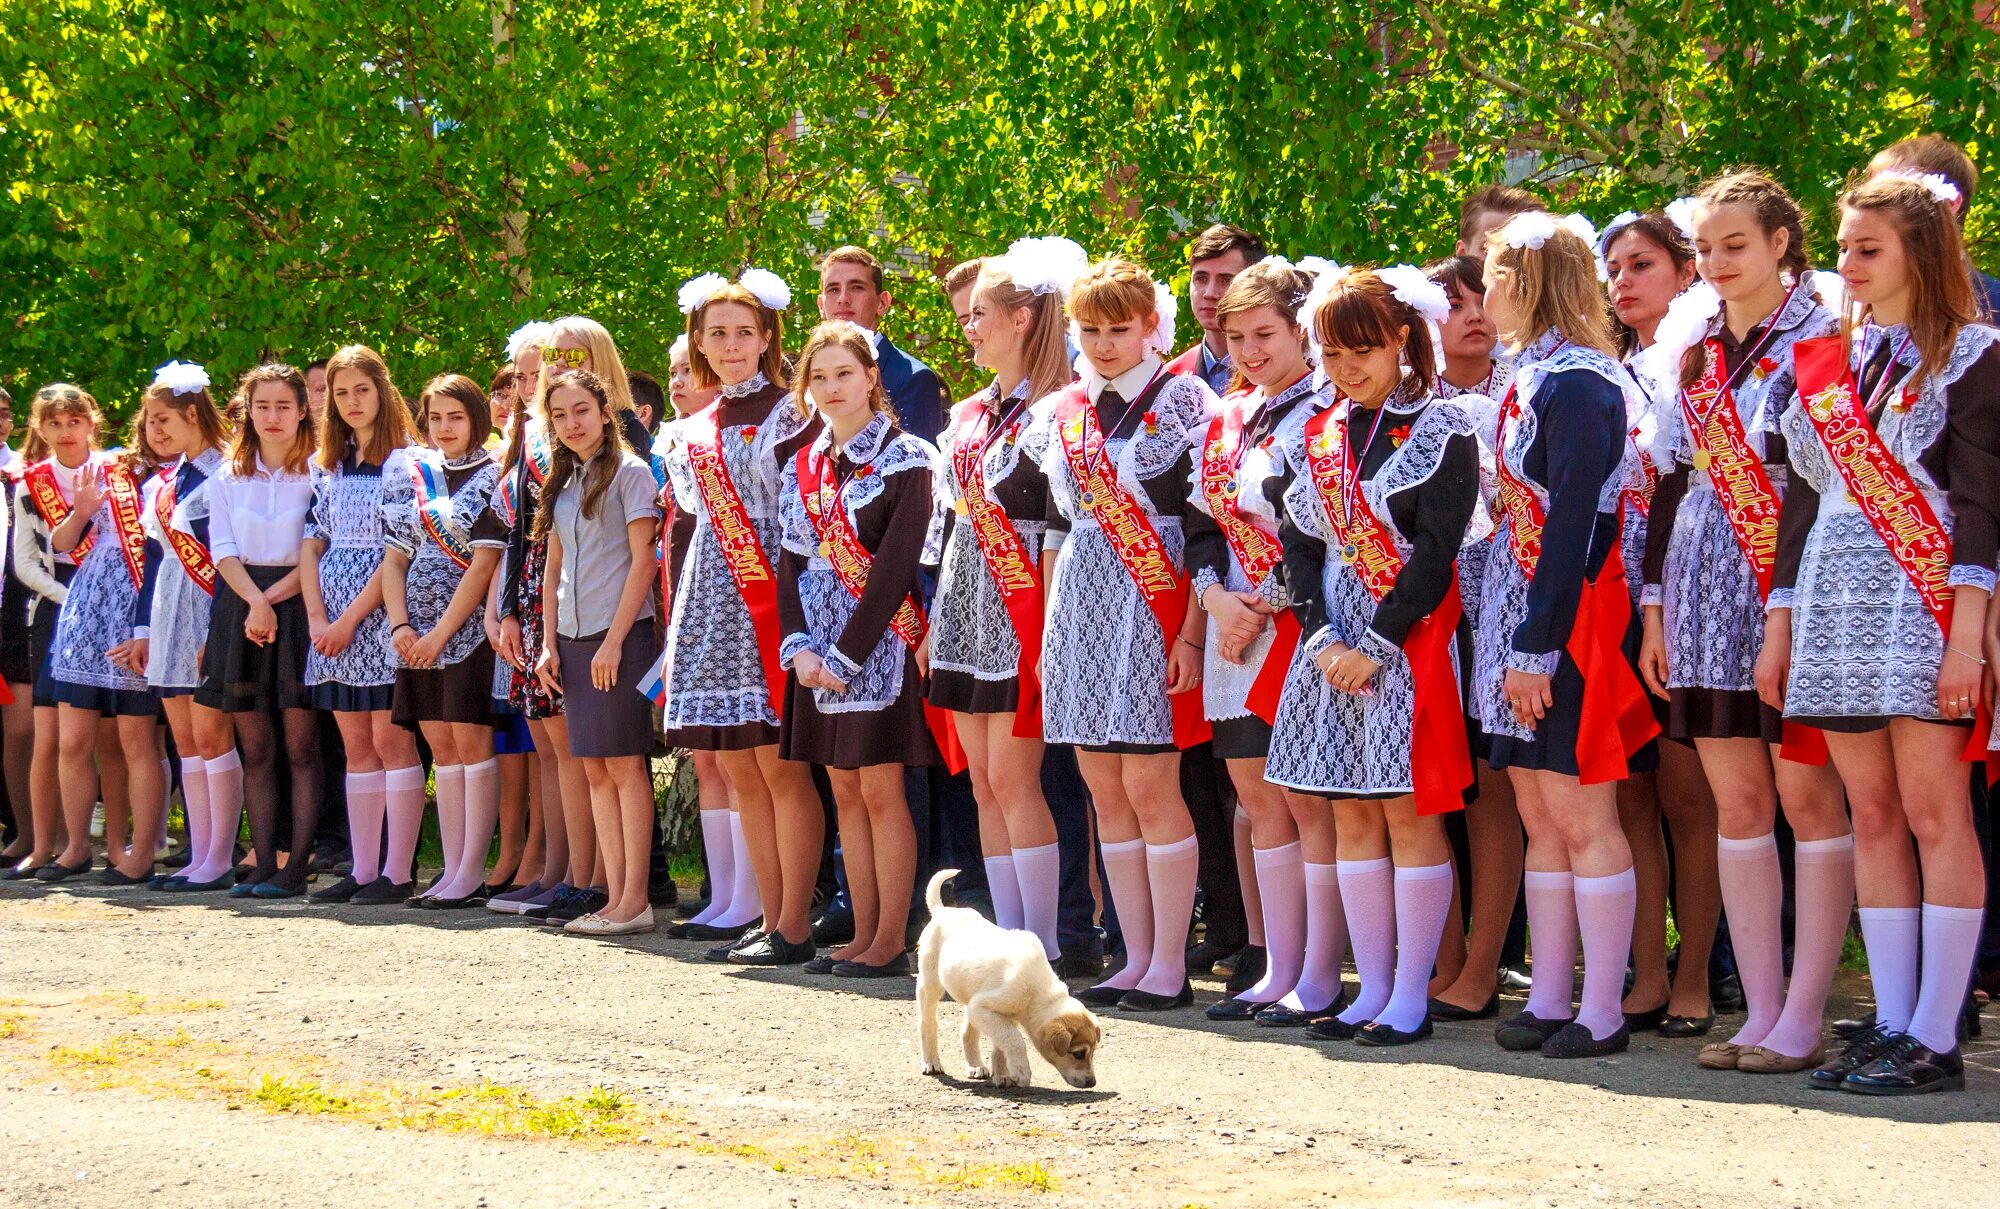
[(157, 1051)]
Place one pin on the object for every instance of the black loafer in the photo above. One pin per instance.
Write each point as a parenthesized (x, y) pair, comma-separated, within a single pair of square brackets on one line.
[(181, 885), (722, 951), (1201, 958), (56, 871), (1646, 1021), (276, 889), (1382, 1036), (711, 933), (1725, 994), (1100, 996), (819, 965), (382, 893), (1859, 1054), (1250, 964), (833, 930), (690, 910), (1855, 1029), (1232, 1009), (1332, 1028), (1279, 1015), (1440, 1010), (159, 880), (112, 875), (896, 967), (1687, 1026), (772, 949), (18, 872), (1908, 1067), (434, 903), (1146, 1001), (1526, 1031), (1575, 1040), (1077, 963), (341, 891)]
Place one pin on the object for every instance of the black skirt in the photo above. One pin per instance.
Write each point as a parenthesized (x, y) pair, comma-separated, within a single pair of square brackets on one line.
[(1714, 713), (42, 641), (239, 676), (1247, 738), (899, 733), (964, 693), (1553, 747), (607, 725), (458, 692)]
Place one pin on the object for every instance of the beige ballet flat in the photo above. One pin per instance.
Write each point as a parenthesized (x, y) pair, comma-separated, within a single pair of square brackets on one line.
[(1719, 1055), (1759, 1060)]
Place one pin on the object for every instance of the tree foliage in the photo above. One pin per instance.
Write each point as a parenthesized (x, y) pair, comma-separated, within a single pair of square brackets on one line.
[(225, 180)]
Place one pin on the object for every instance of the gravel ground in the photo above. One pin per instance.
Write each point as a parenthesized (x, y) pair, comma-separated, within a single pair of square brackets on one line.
[(272, 1054)]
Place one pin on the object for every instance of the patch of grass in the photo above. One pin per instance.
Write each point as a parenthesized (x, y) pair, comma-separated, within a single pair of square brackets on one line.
[(1026, 1177), (119, 1051), (276, 1093), (13, 1024), (132, 1003)]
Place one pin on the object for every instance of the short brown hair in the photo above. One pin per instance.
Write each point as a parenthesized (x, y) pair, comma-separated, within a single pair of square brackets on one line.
[(1112, 290), (1494, 199), (1222, 239), (963, 275), (1931, 153), (466, 391), (848, 253), (1363, 312)]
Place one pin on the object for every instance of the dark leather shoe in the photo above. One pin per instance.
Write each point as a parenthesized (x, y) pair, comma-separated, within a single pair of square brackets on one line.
[(1725, 995), (711, 933), (830, 929), (1908, 1067), (1854, 1029), (1279, 1015), (1526, 1031), (722, 951), (56, 871), (276, 889), (1440, 1010), (1100, 996), (1201, 958), (181, 885), (1147, 1001), (1646, 1021), (382, 892), (1332, 1028), (112, 875), (772, 949), (341, 891), (1381, 1035), (692, 909), (1232, 1009), (1687, 1026), (1575, 1040), (1860, 1052), (18, 872), (1250, 964), (1076, 963), (896, 967), (819, 965)]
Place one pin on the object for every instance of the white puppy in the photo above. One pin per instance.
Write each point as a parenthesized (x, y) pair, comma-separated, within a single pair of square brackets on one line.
[(1007, 987)]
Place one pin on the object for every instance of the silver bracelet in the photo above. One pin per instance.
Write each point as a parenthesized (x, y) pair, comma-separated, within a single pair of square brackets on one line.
[(1968, 654)]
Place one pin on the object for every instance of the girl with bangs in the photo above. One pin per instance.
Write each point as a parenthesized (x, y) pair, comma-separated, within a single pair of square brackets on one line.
[(721, 675), (1117, 448), (253, 667), (1880, 599), (1382, 491), (1552, 684)]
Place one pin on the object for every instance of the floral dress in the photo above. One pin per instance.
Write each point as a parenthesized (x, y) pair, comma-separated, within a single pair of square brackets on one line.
[(350, 505)]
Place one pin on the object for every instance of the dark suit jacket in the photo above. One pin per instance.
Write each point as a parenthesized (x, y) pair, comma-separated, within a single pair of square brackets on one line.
[(915, 390)]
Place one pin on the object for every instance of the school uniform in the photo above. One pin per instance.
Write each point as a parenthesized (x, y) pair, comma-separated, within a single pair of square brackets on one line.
[(515, 497), (596, 560), (440, 527), (914, 390), (880, 481), (260, 520), (105, 591), (17, 661), (177, 599), (350, 504), (44, 573)]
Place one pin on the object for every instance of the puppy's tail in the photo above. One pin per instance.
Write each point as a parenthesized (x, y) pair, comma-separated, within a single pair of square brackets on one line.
[(934, 893)]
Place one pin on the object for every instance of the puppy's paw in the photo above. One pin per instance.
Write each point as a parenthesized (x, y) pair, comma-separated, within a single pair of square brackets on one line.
[(1011, 1079), (977, 1074), (932, 1068)]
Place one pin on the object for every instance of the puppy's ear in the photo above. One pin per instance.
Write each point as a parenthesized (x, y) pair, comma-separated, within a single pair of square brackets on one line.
[(1084, 1028), (1054, 1037)]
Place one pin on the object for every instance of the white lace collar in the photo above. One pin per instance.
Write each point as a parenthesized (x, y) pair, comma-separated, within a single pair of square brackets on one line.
[(749, 386), (1541, 348), (864, 446)]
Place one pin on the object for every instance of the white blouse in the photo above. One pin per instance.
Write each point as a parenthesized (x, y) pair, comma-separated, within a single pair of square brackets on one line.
[(261, 519)]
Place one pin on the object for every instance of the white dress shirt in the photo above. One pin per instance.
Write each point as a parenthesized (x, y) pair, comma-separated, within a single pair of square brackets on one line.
[(261, 519)]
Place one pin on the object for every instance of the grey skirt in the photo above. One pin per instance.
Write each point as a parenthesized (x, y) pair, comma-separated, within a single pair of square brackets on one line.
[(603, 725)]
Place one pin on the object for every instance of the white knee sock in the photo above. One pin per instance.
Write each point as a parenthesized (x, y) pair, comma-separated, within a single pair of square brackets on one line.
[(1423, 900), (1171, 873), (1038, 872), (721, 859), (745, 904), (1281, 891), (225, 814), (448, 780), (1326, 941), (365, 795), (479, 816), (1125, 879), (1951, 942), (1368, 891), (1003, 885), (1891, 935), (194, 801), (403, 794)]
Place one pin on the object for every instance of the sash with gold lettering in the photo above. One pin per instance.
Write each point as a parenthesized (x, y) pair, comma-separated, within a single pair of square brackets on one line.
[(742, 552), (1440, 758), (121, 490), (1256, 551), (1881, 487), (194, 556), (1615, 719), (434, 511), (47, 497), (1007, 561), (841, 546), (1748, 499), (1134, 541)]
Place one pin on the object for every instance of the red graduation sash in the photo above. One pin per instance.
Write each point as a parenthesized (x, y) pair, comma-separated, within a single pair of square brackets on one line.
[(1007, 561), (47, 497), (1133, 540), (1256, 551), (121, 490), (840, 545), (1882, 489), (194, 556), (1440, 758), (1616, 721), (742, 553), (537, 457), (434, 511)]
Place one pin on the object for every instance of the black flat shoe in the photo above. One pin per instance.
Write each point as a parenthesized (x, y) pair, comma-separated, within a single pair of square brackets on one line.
[(896, 967), (711, 933), (1859, 1054), (1201, 958), (112, 875), (1908, 1067), (1146, 1001), (819, 965), (382, 893), (276, 889), (835, 930), (1250, 964), (772, 949), (181, 885), (1854, 1029), (722, 951), (1100, 996), (1232, 1009), (56, 871), (1075, 963), (690, 910), (1279, 1015), (1381, 1036), (341, 891), (473, 899), (1526, 1031), (1687, 1026), (1725, 995), (1575, 1040), (1646, 1021), (1440, 1010), (1332, 1028), (20, 871)]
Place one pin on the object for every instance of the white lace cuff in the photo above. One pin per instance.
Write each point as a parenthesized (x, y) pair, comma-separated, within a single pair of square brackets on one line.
[(1652, 594), (1969, 575), (843, 668), (792, 647), (1534, 665), (143, 631), (1376, 647), (1781, 598)]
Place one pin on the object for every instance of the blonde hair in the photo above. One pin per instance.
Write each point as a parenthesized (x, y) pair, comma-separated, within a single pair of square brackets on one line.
[(604, 360), (839, 333), (1942, 302), (1555, 287), (243, 451), (207, 419), (1045, 345), (771, 321), (58, 399), (392, 412), (1112, 290)]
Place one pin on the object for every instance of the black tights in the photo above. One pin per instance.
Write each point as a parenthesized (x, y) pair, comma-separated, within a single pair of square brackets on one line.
[(256, 740)]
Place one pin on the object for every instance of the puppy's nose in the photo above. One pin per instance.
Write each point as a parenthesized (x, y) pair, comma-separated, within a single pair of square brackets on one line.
[(1088, 1081)]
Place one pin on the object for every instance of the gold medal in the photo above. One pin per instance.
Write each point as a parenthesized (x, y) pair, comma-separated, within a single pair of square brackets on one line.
[(963, 506), (1350, 552), (1702, 458), (826, 550)]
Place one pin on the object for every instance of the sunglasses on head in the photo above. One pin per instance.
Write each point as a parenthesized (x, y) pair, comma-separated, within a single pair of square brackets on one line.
[(570, 357), (68, 394)]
